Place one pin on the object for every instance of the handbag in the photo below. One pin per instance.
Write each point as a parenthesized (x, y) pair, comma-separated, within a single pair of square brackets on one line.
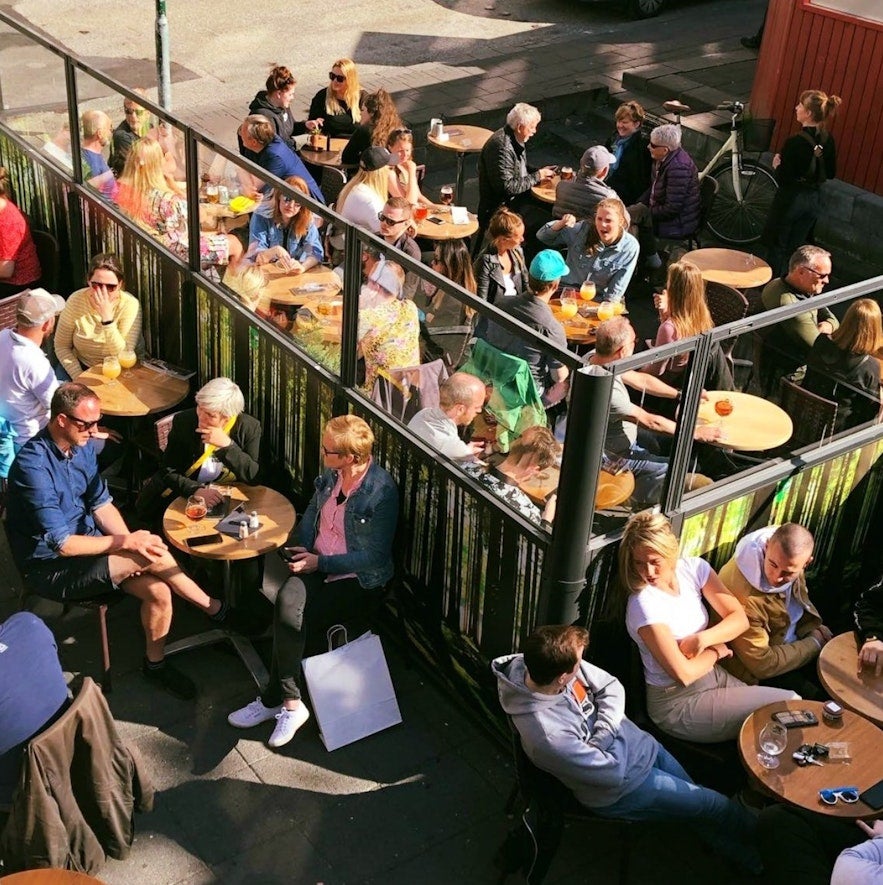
[(351, 689)]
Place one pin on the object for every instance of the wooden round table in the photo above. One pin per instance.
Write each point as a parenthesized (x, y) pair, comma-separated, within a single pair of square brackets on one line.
[(464, 140), (48, 876), (612, 489), (328, 157), (742, 270), (138, 391), (839, 674), (796, 785), (317, 284), (754, 425), (546, 190), (447, 230)]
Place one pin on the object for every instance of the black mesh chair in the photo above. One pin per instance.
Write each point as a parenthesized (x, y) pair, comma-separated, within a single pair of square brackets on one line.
[(813, 416), (545, 806)]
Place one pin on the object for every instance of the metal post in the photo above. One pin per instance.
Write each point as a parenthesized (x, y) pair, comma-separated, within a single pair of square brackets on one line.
[(352, 283), (565, 570), (163, 70)]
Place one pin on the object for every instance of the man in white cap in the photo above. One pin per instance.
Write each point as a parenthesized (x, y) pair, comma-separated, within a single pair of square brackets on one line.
[(580, 196), (28, 379)]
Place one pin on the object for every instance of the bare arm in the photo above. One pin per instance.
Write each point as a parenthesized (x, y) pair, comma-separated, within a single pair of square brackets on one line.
[(659, 639), (733, 620)]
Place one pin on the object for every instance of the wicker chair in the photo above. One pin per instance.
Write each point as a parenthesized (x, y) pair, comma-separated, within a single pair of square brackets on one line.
[(813, 416)]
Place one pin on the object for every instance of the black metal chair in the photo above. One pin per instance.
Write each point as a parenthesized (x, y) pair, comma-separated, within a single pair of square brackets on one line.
[(333, 180), (726, 305), (813, 416), (708, 189), (47, 253), (546, 804)]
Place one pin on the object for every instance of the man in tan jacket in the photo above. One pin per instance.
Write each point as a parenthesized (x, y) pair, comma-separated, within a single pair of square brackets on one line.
[(785, 632)]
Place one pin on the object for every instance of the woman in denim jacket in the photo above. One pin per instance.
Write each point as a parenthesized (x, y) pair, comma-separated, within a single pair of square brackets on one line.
[(342, 559)]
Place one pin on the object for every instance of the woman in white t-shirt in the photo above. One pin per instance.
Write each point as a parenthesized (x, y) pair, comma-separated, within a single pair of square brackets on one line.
[(688, 694)]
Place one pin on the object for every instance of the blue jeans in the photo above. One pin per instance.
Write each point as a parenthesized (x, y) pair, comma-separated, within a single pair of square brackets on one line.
[(669, 793), (649, 471)]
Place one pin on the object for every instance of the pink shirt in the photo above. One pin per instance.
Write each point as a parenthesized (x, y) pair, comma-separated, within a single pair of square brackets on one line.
[(331, 537)]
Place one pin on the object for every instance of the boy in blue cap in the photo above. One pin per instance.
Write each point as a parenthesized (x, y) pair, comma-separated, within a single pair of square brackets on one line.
[(533, 310)]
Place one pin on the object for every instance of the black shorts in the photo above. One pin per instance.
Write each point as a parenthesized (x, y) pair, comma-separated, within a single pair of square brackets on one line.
[(71, 579)]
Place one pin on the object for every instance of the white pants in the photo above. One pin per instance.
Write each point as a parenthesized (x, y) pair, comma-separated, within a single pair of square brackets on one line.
[(710, 709)]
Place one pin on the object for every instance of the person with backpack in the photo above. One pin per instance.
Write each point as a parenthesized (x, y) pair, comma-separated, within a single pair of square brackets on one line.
[(807, 160)]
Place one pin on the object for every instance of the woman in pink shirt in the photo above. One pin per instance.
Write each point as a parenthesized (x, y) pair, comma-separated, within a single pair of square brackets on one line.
[(341, 562)]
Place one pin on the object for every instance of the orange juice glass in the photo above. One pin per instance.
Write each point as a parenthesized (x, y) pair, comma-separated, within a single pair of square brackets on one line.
[(568, 308), (128, 359), (606, 310), (588, 290), (111, 368)]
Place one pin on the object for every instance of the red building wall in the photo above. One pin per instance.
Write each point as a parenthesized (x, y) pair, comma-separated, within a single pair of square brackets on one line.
[(805, 47)]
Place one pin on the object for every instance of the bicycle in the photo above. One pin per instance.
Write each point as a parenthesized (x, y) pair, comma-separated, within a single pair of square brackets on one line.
[(746, 188)]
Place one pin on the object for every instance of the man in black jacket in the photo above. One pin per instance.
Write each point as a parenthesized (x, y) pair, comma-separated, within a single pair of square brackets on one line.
[(869, 626)]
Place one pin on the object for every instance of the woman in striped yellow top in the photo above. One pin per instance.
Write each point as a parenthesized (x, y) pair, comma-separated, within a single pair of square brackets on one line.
[(98, 321)]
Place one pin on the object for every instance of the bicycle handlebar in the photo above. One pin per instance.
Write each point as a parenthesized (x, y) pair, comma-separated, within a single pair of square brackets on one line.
[(734, 107)]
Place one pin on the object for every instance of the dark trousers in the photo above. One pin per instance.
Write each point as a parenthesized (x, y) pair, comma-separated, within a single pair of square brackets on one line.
[(792, 218), (305, 608)]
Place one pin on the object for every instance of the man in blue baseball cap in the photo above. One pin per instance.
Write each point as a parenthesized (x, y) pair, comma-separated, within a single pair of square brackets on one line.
[(533, 310)]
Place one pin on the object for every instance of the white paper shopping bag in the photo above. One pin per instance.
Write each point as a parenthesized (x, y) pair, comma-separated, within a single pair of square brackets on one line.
[(351, 690)]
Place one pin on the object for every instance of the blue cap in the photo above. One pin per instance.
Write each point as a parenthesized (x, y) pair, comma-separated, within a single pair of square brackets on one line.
[(548, 266)]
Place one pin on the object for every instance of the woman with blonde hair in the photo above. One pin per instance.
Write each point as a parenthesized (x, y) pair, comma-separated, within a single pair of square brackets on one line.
[(500, 269), (152, 199), (365, 194), (337, 107), (689, 695), (341, 561), (379, 117), (805, 162), (286, 234), (842, 366), (403, 175), (600, 250)]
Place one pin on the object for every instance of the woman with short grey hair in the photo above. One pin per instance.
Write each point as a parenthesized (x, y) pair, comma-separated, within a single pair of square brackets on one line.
[(522, 114), (668, 136)]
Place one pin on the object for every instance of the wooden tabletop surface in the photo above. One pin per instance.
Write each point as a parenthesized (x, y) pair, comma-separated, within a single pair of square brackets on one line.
[(612, 489), (274, 510), (547, 189), (137, 391), (838, 672), (754, 425), (741, 270), (462, 138), (325, 157), (280, 284), (796, 785), (447, 230)]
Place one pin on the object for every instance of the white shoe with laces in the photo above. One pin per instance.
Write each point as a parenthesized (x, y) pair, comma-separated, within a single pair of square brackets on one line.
[(287, 724), (253, 714)]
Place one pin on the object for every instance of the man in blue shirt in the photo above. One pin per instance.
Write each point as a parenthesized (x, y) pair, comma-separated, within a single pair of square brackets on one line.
[(259, 142), (70, 542)]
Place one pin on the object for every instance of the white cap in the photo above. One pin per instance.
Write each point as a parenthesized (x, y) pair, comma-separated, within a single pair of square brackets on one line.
[(35, 306)]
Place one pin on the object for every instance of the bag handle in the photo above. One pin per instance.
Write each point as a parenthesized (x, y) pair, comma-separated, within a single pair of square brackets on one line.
[(332, 632)]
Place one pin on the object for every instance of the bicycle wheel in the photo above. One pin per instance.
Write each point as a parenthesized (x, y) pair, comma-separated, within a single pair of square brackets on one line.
[(741, 221)]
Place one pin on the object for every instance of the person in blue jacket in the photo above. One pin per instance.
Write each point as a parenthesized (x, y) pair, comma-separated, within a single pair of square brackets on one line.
[(341, 562)]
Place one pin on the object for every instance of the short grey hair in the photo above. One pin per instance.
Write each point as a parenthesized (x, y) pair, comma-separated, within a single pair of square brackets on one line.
[(611, 335), (804, 256), (259, 128), (667, 135), (221, 395), (459, 390), (522, 115)]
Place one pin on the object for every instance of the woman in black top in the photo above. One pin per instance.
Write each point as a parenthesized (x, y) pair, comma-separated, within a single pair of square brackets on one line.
[(630, 175), (842, 366), (379, 118), (337, 106), (806, 161)]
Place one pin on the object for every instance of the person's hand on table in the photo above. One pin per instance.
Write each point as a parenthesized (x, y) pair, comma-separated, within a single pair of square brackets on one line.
[(546, 173), (103, 302), (872, 831), (214, 436), (106, 433), (313, 125), (146, 544), (871, 655), (274, 253), (295, 267), (302, 562), (210, 495), (708, 433)]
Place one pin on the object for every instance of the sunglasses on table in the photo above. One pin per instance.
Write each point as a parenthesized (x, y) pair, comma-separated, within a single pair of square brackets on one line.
[(82, 425), (111, 287), (337, 78), (390, 221), (844, 794)]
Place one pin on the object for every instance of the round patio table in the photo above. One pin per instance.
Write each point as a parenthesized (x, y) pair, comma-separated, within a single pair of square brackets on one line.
[(136, 392), (546, 190), (754, 425), (464, 140), (742, 270), (860, 691)]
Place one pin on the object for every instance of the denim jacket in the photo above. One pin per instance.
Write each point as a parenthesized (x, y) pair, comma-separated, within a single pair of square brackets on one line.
[(369, 526)]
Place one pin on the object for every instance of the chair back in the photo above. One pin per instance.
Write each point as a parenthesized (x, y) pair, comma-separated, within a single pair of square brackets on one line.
[(813, 416), (725, 304), (47, 252), (8, 308), (333, 180), (404, 392)]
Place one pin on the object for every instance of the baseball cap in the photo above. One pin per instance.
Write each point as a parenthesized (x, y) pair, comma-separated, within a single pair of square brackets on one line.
[(35, 306), (385, 277), (374, 158), (596, 158), (547, 266)]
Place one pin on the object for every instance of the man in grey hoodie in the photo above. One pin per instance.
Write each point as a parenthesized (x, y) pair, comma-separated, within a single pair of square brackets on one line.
[(570, 716)]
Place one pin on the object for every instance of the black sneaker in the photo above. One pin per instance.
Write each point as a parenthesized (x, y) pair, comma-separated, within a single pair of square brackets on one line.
[(171, 679)]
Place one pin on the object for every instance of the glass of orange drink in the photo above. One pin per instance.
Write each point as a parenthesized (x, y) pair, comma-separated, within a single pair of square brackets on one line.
[(568, 308), (111, 368), (587, 291), (127, 359), (606, 310)]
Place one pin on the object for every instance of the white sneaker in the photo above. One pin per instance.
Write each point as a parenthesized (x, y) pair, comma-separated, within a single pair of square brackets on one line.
[(252, 714), (287, 724)]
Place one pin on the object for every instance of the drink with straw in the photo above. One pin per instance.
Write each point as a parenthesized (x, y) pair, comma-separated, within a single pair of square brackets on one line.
[(588, 291)]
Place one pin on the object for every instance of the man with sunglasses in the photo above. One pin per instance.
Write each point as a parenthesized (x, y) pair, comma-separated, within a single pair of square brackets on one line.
[(70, 542), (787, 344), (395, 228)]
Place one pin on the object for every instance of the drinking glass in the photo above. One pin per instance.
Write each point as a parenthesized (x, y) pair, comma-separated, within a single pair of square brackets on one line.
[(724, 406), (773, 739), (606, 311), (568, 308), (588, 291), (111, 368), (128, 358), (195, 508), (566, 173), (420, 213), (447, 194)]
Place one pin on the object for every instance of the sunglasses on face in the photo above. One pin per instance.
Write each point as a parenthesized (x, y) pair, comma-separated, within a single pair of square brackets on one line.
[(289, 201), (844, 794), (111, 287), (337, 78), (328, 452), (390, 221), (398, 133), (820, 276), (80, 423)]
